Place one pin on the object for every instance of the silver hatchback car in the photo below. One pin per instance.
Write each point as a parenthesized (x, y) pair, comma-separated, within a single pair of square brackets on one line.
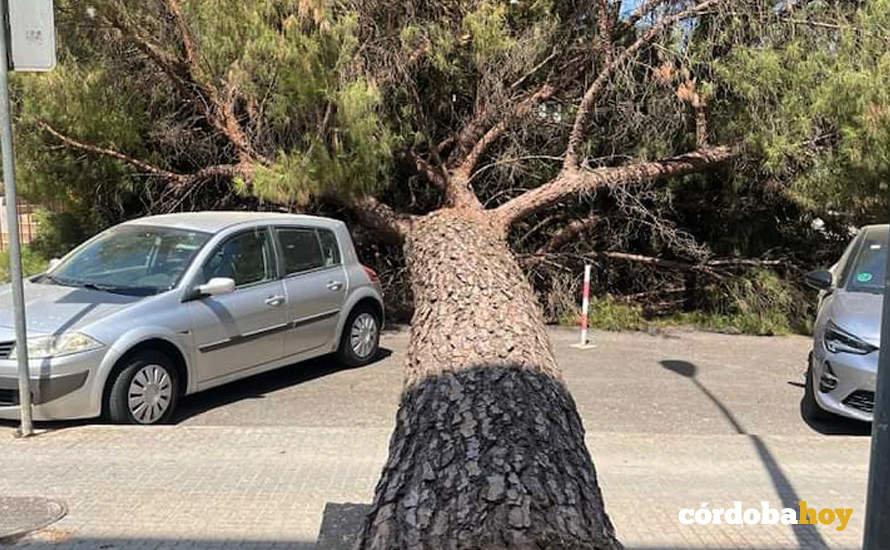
[(843, 363), (164, 306)]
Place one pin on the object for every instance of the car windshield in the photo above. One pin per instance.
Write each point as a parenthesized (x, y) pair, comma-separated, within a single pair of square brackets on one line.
[(870, 264), (130, 259)]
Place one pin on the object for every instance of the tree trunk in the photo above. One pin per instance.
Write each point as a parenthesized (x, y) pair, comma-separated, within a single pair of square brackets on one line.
[(488, 450)]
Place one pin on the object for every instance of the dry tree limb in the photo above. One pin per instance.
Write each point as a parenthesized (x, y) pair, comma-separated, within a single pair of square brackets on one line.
[(178, 179), (585, 108), (572, 183)]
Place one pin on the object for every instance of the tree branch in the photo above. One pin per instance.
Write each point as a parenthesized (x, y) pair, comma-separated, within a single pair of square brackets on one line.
[(579, 128), (132, 161), (379, 217), (188, 43), (536, 258), (521, 109), (604, 31), (176, 178), (434, 174), (575, 181), (216, 107), (567, 233), (473, 139), (643, 9)]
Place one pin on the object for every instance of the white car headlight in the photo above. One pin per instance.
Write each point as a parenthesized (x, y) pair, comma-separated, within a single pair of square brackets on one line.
[(41, 347), (838, 340)]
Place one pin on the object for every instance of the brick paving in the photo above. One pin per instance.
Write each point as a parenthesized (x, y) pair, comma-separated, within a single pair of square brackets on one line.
[(209, 487), (222, 479)]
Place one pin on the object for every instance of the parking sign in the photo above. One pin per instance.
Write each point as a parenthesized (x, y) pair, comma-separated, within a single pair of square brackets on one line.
[(32, 36)]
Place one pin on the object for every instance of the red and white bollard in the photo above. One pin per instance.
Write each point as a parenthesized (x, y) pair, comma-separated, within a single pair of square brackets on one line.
[(585, 311)]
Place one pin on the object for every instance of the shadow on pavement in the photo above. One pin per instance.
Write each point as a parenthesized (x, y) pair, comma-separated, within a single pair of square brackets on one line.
[(734, 547), (258, 385), (43, 428), (838, 425), (253, 387), (806, 534)]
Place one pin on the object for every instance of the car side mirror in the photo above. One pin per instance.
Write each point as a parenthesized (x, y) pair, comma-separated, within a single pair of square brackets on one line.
[(216, 286), (820, 279), (53, 263)]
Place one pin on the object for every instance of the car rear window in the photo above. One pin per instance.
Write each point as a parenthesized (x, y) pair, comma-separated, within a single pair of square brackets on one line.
[(330, 251), (301, 248)]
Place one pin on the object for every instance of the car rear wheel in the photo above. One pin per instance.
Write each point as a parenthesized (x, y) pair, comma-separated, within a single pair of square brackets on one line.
[(361, 337), (145, 391), (811, 408)]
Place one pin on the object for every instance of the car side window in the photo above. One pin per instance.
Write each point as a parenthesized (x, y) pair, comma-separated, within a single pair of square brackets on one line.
[(330, 251), (301, 249), (248, 258)]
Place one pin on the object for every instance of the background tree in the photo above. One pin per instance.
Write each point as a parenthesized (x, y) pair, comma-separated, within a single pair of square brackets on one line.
[(453, 129)]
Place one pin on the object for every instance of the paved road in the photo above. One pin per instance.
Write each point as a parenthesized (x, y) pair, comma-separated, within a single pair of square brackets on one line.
[(674, 420), (631, 382)]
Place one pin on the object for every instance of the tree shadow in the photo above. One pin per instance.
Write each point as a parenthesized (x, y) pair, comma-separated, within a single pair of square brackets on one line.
[(806, 534), (259, 385)]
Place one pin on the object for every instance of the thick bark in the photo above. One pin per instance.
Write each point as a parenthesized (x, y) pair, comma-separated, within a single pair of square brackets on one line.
[(488, 450), (571, 183)]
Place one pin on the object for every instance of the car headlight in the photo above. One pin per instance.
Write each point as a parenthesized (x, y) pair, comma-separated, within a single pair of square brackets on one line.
[(837, 340), (41, 347)]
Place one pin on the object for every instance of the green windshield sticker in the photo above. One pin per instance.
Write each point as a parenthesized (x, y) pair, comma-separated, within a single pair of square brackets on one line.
[(864, 277)]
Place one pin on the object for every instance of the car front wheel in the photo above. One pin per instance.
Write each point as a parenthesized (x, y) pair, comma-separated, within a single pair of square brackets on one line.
[(145, 391), (811, 408), (361, 337)]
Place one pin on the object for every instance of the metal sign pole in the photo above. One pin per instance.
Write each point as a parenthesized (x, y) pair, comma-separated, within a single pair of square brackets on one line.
[(15, 252), (877, 504)]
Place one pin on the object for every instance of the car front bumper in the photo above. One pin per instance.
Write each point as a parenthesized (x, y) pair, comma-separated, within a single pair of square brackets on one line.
[(62, 388), (844, 383)]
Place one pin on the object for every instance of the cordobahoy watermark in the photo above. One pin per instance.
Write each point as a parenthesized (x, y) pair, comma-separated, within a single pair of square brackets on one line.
[(766, 515)]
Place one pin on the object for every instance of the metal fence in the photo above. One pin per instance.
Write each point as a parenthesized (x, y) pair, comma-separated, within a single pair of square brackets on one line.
[(27, 223)]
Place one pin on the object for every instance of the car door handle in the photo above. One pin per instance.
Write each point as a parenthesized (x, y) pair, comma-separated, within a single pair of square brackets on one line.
[(274, 301), (334, 285)]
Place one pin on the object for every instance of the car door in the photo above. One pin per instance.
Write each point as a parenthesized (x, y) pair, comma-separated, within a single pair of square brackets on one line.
[(244, 328), (315, 283)]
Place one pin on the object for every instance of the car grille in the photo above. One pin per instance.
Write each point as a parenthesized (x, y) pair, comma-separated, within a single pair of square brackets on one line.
[(6, 349), (9, 397), (862, 400)]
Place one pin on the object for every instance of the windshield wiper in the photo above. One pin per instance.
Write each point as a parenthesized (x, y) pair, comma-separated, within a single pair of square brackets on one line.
[(103, 288), (57, 281)]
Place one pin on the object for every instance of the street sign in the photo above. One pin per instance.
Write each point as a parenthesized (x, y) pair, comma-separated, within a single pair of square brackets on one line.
[(32, 35)]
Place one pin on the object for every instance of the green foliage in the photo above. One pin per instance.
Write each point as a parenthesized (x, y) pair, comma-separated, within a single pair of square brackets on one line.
[(610, 313), (488, 32), (758, 303), (310, 120), (32, 262), (57, 233), (818, 103), (329, 94), (353, 163)]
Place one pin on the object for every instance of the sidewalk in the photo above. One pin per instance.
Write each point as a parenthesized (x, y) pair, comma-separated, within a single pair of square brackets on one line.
[(265, 487)]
